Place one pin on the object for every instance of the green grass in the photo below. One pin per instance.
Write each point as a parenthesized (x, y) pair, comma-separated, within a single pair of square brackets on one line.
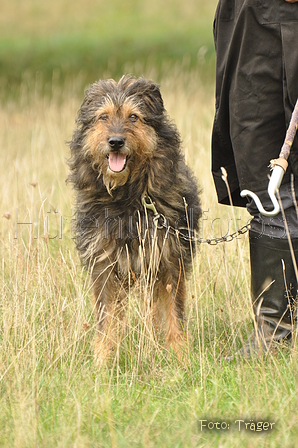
[(52, 392), (96, 38)]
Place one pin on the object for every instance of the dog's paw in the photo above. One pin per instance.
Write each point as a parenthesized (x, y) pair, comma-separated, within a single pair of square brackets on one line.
[(104, 351)]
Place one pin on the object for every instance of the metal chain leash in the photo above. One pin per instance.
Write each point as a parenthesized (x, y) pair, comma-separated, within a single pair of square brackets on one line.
[(211, 241)]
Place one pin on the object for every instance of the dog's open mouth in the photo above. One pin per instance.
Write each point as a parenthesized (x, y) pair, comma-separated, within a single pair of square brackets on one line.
[(117, 161)]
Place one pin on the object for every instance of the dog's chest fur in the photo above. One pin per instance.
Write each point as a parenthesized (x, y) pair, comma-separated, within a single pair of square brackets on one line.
[(138, 253)]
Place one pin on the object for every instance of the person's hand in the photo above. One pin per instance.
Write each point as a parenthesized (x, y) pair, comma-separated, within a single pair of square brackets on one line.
[(292, 1)]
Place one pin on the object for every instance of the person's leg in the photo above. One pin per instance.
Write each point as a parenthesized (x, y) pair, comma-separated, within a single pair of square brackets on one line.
[(273, 276)]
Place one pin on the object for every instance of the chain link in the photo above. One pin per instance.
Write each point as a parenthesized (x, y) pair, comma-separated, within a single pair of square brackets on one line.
[(163, 225), (211, 241)]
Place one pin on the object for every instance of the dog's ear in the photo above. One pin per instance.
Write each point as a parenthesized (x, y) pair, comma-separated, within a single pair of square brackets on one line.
[(146, 93), (152, 93), (95, 95)]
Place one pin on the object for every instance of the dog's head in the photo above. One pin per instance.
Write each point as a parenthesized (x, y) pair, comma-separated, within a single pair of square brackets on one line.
[(118, 128)]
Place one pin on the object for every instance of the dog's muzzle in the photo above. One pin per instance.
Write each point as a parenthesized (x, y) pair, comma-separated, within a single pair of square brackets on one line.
[(117, 160)]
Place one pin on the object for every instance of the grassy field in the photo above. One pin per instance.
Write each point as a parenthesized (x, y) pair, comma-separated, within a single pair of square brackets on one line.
[(86, 40), (52, 393)]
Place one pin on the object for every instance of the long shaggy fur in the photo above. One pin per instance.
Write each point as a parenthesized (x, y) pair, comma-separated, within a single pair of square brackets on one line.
[(123, 148)]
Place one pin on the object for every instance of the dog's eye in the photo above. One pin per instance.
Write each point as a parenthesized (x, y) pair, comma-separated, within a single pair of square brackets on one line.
[(133, 118), (104, 117)]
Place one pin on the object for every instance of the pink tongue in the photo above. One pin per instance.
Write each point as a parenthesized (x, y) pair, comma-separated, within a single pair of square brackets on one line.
[(117, 161)]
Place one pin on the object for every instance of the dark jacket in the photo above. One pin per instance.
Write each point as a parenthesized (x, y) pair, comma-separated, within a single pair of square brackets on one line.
[(256, 44)]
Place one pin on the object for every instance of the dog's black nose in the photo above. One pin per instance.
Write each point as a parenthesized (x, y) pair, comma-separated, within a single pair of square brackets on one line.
[(116, 143)]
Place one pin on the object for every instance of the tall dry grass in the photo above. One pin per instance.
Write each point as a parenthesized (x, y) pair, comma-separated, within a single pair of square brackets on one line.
[(52, 393)]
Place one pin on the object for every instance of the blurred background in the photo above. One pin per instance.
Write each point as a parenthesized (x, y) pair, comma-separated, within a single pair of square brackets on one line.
[(87, 40)]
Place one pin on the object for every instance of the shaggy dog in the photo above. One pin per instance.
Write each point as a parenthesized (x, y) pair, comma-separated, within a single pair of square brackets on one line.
[(137, 203)]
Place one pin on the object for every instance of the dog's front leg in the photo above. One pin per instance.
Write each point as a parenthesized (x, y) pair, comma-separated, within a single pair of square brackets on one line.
[(108, 298), (172, 296)]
